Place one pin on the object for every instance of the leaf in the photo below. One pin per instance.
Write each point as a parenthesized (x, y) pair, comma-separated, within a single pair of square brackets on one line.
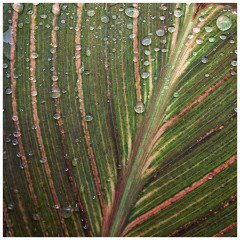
[(119, 119)]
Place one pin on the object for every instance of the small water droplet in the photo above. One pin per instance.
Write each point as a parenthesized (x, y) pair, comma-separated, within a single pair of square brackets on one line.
[(208, 28), (56, 206), (78, 47), (233, 73), (223, 37), (20, 25), (224, 23), (146, 41), (17, 7), (176, 94), (88, 117), (8, 90), (199, 41), (74, 162), (204, 60), (55, 93), (104, 19), (210, 176), (34, 93), (11, 206), (160, 32), (129, 26), (43, 16), (66, 212), (171, 29), (132, 12), (54, 78), (234, 63), (91, 13), (196, 29), (145, 75), (162, 18), (16, 133), (211, 39), (132, 35), (139, 108), (56, 116), (178, 12), (88, 52), (36, 216), (14, 142), (34, 55), (5, 65), (43, 160), (14, 118), (55, 9)]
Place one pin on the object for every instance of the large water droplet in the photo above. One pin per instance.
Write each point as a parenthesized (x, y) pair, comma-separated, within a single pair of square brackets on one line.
[(224, 23), (160, 32), (132, 12), (66, 212), (104, 19), (8, 90), (146, 41), (178, 12), (55, 93), (11, 206), (91, 13), (74, 162), (88, 117), (42, 160), (18, 7), (34, 55), (139, 108), (56, 116)]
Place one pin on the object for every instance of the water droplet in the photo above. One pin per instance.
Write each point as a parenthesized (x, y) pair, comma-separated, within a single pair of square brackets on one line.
[(8, 90), (211, 39), (14, 118), (129, 26), (199, 41), (132, 35), (196, 29), (18, 7), (234, 63), (56, 116), (178, 12), (139, 108), (233, 73), (208, 28), (223, 37), (36, 216), (145, 75), (43, 160), (88, 52), (147, 52), (88, 117), (132, 12), (146, 41), (34, 55), (54, 78), (224, 23), (14, 142), (16, 133), (34, 93), (7, 42), (55, 93), (162, 18), (91, 13), (171, 29), (176, 94), (104, 19), (204, 60), (55, 9), (5, 65), (56, 206), (74, 162), (78, 47), (210, 176), (20, 25), (43, 16), (160, 32), (235, 109), (66, 212), (11, 206)]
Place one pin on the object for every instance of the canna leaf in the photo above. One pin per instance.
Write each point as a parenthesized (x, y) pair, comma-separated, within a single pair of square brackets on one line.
[(119, 119)]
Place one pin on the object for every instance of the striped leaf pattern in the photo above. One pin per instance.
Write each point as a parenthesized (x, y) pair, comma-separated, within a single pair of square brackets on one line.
[(119, 119)]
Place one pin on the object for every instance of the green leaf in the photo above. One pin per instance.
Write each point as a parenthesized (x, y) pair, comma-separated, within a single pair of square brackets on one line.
[(119, 119)]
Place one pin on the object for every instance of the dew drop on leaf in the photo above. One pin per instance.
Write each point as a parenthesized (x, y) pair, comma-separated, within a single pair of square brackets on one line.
[(171, 29), (8, 90), (234, 63), (43, 16), (91, 13), (139, 108), (7, 42), (208, 28), (223, 37), (16, 133), (43, 160), (129, 26), (224, 23), (34, 93), (178, 12), (56, 116), (132, 12), (146, 41), (34, 55), (74, 162), (88, 117), (211, 39), (196, 30), (11, 206), (55, 93), (145, 75), (14, 118), (66, 212), (5, 65), (36, 216), (204, 60), (104, 19), (160, 32), (176, 94)]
